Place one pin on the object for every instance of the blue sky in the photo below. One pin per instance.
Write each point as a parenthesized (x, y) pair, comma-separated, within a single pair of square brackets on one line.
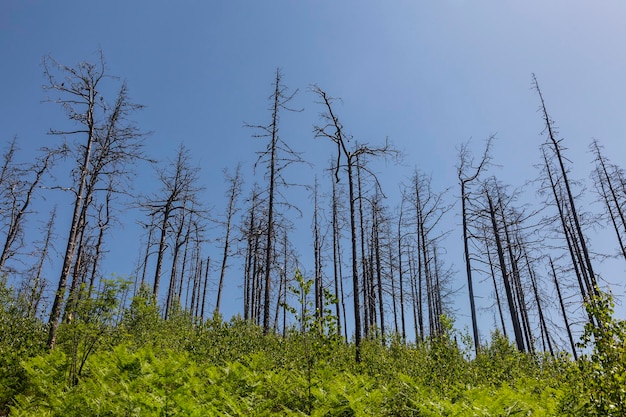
[(428, 75)]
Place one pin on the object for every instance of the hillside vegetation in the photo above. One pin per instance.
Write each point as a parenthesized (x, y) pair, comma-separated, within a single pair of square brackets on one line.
[(127, 361)]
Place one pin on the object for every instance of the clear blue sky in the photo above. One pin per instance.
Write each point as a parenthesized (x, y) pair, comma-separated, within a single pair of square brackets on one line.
[(428, 75)]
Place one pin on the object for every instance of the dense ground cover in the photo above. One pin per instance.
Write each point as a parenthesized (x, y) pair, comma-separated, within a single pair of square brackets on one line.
[(113, 361)]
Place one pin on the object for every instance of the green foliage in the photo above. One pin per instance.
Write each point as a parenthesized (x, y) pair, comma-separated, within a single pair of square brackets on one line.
[(150, 381), (602, 378), (91, 322), (143, 365), (21, 336), (141, 321)]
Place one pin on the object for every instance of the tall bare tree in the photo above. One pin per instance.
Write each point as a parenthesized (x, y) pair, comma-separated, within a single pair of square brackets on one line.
[(332, 129), (107, 146), (177, 197), (35, 281), (17, 188), (607, 179), (276, 157), (336, 224), (234, 190), (568, 202), (468, 172)]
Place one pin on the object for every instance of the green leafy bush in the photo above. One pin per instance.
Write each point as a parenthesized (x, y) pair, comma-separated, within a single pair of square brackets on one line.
[(21, 336), (602, 373)]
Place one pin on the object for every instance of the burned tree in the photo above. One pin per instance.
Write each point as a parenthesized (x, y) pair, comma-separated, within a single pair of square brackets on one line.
[(427, 208), (176, 199), (107, 146), (233, 193), (607, 180), (276, 157), (564, 198), (466, 178), (17, 188), (332, 129)]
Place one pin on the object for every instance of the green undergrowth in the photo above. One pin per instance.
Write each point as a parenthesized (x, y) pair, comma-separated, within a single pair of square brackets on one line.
[(132, 362), (143, 382)]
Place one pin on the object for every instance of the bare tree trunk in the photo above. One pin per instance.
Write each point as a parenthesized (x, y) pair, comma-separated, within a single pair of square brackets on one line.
[(333, 130), (464, 180), (206, 282), (400, 274), (90, 84), (233, 193), (392, 279), (176, 199), (570, 197), (338, 278), (277, 156), (563, 311), (317, 255), (413, 277), (284, 294), (492, 272), (179, 242), (364, 282), (377, 259), (505, 277), (38, 283), (147, 254), (609, 194), (580, 272), (542, 320), (19, 209), (103, 225)]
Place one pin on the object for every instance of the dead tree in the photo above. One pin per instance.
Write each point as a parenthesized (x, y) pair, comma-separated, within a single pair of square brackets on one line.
[(110, 145), (554, 145), (506, 276), (337, 259), (251, 232), (17, 189), (607, 178), (465, 181), (233, 194), (35, 281), (428, 208), (400, 238), (332, 129), (178, 195), (276, 157), (317, 254), (568, 329)]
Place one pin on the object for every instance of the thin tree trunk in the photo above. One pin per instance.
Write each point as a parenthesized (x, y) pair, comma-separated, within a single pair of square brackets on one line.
[(505, 278), (206, 281), (38, 284), (72, 239), (233, 193), (337, 262), (563, 311), (604, 180), (570, 196)]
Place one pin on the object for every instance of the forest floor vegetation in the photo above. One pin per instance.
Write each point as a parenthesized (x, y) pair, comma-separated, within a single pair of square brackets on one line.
[(114, 361)]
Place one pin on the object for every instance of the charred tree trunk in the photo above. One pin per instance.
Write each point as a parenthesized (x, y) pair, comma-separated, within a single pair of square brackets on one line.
[(233, 193), (505, 276)]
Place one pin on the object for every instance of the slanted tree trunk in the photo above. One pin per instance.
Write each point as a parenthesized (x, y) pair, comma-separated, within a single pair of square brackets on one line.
[(37, 283), (20, 192), (556, 148), (615, 202), (505, 276), (563, 311)]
